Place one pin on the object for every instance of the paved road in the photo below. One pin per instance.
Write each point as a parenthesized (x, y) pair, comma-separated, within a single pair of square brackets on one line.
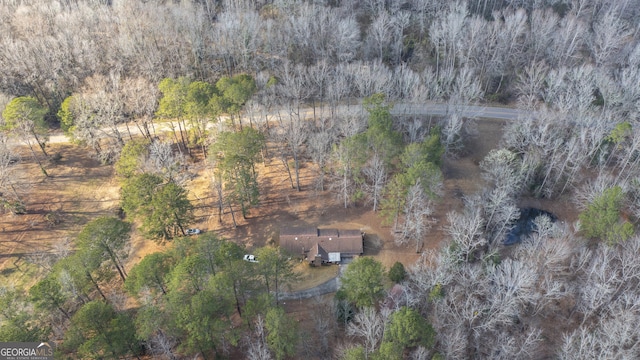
[(425, 109), (492, 112)]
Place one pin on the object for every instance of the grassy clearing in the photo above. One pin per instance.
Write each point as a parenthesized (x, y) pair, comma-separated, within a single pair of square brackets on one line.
[(313, 276), (22, 275)]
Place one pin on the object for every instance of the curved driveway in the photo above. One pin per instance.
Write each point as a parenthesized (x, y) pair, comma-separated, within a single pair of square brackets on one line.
[(327, 287)]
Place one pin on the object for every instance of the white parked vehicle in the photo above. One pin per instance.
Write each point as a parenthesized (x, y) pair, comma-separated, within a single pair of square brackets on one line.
[(250, 258), (193, 231)]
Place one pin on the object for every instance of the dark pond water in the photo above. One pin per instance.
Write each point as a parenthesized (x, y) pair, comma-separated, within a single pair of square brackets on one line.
[(525, 225)]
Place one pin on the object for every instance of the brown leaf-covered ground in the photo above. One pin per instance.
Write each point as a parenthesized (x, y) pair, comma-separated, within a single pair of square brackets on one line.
[(80, 189)]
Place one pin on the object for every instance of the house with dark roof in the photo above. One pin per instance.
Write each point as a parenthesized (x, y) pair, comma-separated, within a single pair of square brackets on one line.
[(321, 246)]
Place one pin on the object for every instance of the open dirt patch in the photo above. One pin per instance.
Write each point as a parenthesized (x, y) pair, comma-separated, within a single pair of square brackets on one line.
[(283, 206), (80, 189), (77, 190)]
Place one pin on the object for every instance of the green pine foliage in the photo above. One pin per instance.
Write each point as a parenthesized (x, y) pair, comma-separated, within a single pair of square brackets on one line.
[(47, 295), (388, 351), (363, 282), (235, 155), (355, 353), (282, 333), (380, 135), (131, 158), (236, 91), (65, 115), (150, 273), (17, 323), (397, 273), (601, 220), (98, 331), (174, 96), (25, 111), (106, 239), (408, 329), (163, 208)]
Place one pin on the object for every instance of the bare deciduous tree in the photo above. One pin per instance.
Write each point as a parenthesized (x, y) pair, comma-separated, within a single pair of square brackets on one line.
[(319, 149), (369, 325), (140, 101), (530, 84), (502, 169), (445, 34), (612, 337), (500, 213), (374, 170), (164, 161), (346, 168), (10, 186), (324, 324), (292, 133), (163, 345), (609, 34), (257, 348), (415, 220), (466, 231)]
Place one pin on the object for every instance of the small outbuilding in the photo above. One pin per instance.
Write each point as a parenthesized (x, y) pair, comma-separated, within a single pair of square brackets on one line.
[(322, 246)]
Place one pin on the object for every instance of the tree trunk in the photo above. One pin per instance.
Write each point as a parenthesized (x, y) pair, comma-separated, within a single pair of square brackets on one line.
[(114, 260), (178, 223), (235, 295), (266, 282), (117, 134), (220, 203), (175, 136), (159, 281), (143, 130), (321, 177), (345, 190), (286, 167), (40, 143), (297, 169), (276, 279), (233, 217), (64, 312), (15, 193), (243, 209), (36, 159), (184, 142), (95, 284), (126, 123)]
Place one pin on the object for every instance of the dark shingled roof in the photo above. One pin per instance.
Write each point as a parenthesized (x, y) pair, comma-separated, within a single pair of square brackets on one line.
[(312, 241), (317, 251), (310, 231)]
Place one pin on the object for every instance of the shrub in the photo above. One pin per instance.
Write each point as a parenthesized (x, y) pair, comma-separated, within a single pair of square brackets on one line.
[(397, 273)]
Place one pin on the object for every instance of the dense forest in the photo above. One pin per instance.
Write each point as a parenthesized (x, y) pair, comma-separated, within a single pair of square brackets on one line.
[(327, 84)]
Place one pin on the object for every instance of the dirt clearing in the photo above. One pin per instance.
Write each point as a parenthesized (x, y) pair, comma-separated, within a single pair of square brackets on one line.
[(77, 190), (80, 189)]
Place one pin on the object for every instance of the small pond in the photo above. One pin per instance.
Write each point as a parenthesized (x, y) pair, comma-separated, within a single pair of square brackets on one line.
[(525, 225)]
